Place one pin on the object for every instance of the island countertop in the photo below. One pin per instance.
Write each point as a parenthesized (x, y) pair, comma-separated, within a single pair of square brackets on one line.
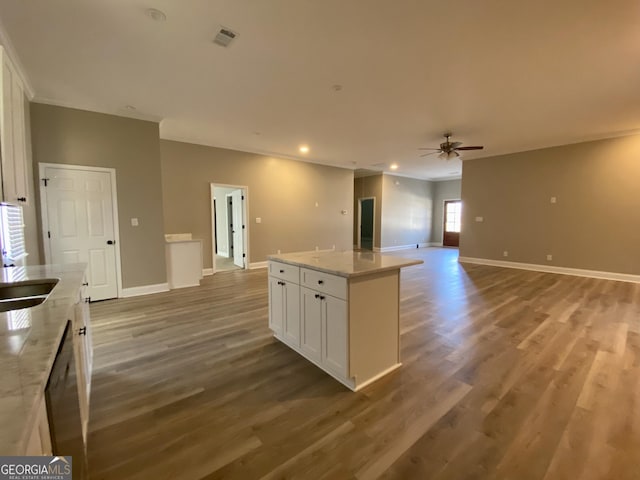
[(29, 340), (346, 264)]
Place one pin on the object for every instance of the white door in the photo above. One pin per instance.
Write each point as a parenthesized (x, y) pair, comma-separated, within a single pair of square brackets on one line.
[(238, 233), (81, 225)]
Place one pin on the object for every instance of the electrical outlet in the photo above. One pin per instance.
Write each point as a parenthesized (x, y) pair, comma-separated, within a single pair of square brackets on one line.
[(554, 200), (479, 219), (505, 254), (258, 220), (134, 222), (549, 257)]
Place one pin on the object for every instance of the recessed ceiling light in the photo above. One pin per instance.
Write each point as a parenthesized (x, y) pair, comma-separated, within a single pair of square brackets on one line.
[(394, 166), (304, 149), (155, 14)]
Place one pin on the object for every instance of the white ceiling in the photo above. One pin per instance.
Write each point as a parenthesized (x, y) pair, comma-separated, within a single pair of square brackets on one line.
[(511, 76)]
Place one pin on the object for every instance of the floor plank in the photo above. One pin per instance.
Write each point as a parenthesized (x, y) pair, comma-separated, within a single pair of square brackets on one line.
[(506, 374)]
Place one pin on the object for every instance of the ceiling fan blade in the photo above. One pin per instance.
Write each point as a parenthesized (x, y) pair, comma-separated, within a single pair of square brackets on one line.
[(475, 147), (444, 155), (427, 154), (455, 144), (425, 148)]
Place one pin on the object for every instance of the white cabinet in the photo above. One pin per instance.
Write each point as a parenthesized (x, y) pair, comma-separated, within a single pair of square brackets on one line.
[(324, 330), (284, 304), (15, 181), (39, 441), (347, 323), (83, 350)]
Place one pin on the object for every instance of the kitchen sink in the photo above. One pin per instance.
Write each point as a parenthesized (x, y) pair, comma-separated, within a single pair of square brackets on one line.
[(29, 293)]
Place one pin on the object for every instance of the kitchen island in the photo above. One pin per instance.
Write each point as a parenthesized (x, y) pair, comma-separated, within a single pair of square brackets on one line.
[(339, 310)]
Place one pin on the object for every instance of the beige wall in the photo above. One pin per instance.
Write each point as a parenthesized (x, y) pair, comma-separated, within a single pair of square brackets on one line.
[(594, 224), (283, 193), (76, 137), (406, 211), (444, 190), (364, 187)]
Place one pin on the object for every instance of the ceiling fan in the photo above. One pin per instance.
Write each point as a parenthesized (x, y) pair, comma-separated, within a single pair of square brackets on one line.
[(449, 150)]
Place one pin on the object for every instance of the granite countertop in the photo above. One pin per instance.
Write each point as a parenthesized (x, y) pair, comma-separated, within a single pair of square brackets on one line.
[(29, 340), (346, 264)]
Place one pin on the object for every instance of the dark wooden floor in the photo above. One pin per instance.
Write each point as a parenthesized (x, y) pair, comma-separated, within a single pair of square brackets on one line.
[(506, 374)]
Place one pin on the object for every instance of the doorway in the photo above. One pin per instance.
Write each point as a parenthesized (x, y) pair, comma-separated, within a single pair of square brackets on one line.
[(366, 225), (80, 223), (229, 227), (452, 221)]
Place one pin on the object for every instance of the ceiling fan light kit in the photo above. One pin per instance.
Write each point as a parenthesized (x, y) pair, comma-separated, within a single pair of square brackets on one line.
[(449, 150)]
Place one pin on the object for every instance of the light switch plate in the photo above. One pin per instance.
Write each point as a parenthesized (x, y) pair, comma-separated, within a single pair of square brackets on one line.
[(134, 222)]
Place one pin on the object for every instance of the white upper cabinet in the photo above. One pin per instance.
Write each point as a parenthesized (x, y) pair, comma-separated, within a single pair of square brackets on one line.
[(15, 184)]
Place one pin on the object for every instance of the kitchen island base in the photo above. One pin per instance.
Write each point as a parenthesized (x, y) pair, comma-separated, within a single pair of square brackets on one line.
[(341, 316)]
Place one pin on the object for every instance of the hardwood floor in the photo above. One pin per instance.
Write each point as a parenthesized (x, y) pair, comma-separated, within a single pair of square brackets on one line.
[(507, 374)]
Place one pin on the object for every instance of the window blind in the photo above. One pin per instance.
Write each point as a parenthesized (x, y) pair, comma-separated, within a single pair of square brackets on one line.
[(13, 245)]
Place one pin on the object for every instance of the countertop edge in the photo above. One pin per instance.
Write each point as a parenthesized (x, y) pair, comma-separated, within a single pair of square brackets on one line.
[(407, 263)]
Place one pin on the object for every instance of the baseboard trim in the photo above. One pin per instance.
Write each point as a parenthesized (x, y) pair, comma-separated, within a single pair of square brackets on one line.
[(435, 244), (207, 271), (577, 272), (400, 247), (256, 265), (145, 290)]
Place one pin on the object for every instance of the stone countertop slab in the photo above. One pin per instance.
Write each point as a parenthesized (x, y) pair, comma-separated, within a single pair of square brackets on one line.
[(29, 341), (346, 264)]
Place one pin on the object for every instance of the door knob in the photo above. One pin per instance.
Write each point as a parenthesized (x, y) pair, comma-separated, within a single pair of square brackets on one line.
[(111, 242)]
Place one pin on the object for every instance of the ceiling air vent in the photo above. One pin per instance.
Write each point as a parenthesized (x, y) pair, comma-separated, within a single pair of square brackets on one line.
[(224, 37)]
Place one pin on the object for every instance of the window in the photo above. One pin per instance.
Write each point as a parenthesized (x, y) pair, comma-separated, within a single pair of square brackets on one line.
[(452, 215), (12, 225)]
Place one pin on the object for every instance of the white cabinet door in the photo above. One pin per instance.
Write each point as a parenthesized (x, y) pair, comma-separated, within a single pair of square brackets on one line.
[(291, 320), (276, 305), (311, 335), (334, 334), (13, 135)]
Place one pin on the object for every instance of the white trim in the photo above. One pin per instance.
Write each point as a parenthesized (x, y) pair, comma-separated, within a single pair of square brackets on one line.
[(7, 44), (145, 290), (222, 253), (578, 272), (256, 265), (359, 227), (377, 377), (207, 271), (114, 206), (245, 220), (400, 247), (95, 108), (435, 244)]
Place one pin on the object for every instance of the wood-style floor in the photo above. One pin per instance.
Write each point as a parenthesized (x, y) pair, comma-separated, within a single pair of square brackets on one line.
[(507, 374)]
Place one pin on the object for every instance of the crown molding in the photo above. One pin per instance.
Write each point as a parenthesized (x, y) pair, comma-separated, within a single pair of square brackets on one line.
[(5, 41)]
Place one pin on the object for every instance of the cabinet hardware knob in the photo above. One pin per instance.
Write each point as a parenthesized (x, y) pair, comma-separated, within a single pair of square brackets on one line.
[(317, 296), (320, 282), (22, 199), (321, 297), (82, 331), (87, 300), (85, 284), (111, 242), (281, 271)]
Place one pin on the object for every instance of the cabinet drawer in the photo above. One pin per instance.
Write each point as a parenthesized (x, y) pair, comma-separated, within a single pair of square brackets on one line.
[(284, 271), (333, 285)]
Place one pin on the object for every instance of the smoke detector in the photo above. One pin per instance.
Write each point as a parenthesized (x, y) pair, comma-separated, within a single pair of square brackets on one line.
[(224, 37)]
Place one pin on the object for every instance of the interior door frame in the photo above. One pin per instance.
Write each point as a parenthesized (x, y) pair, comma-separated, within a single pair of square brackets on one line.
[(359, 235), (444, 216), (245, 217), (114, 205)]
